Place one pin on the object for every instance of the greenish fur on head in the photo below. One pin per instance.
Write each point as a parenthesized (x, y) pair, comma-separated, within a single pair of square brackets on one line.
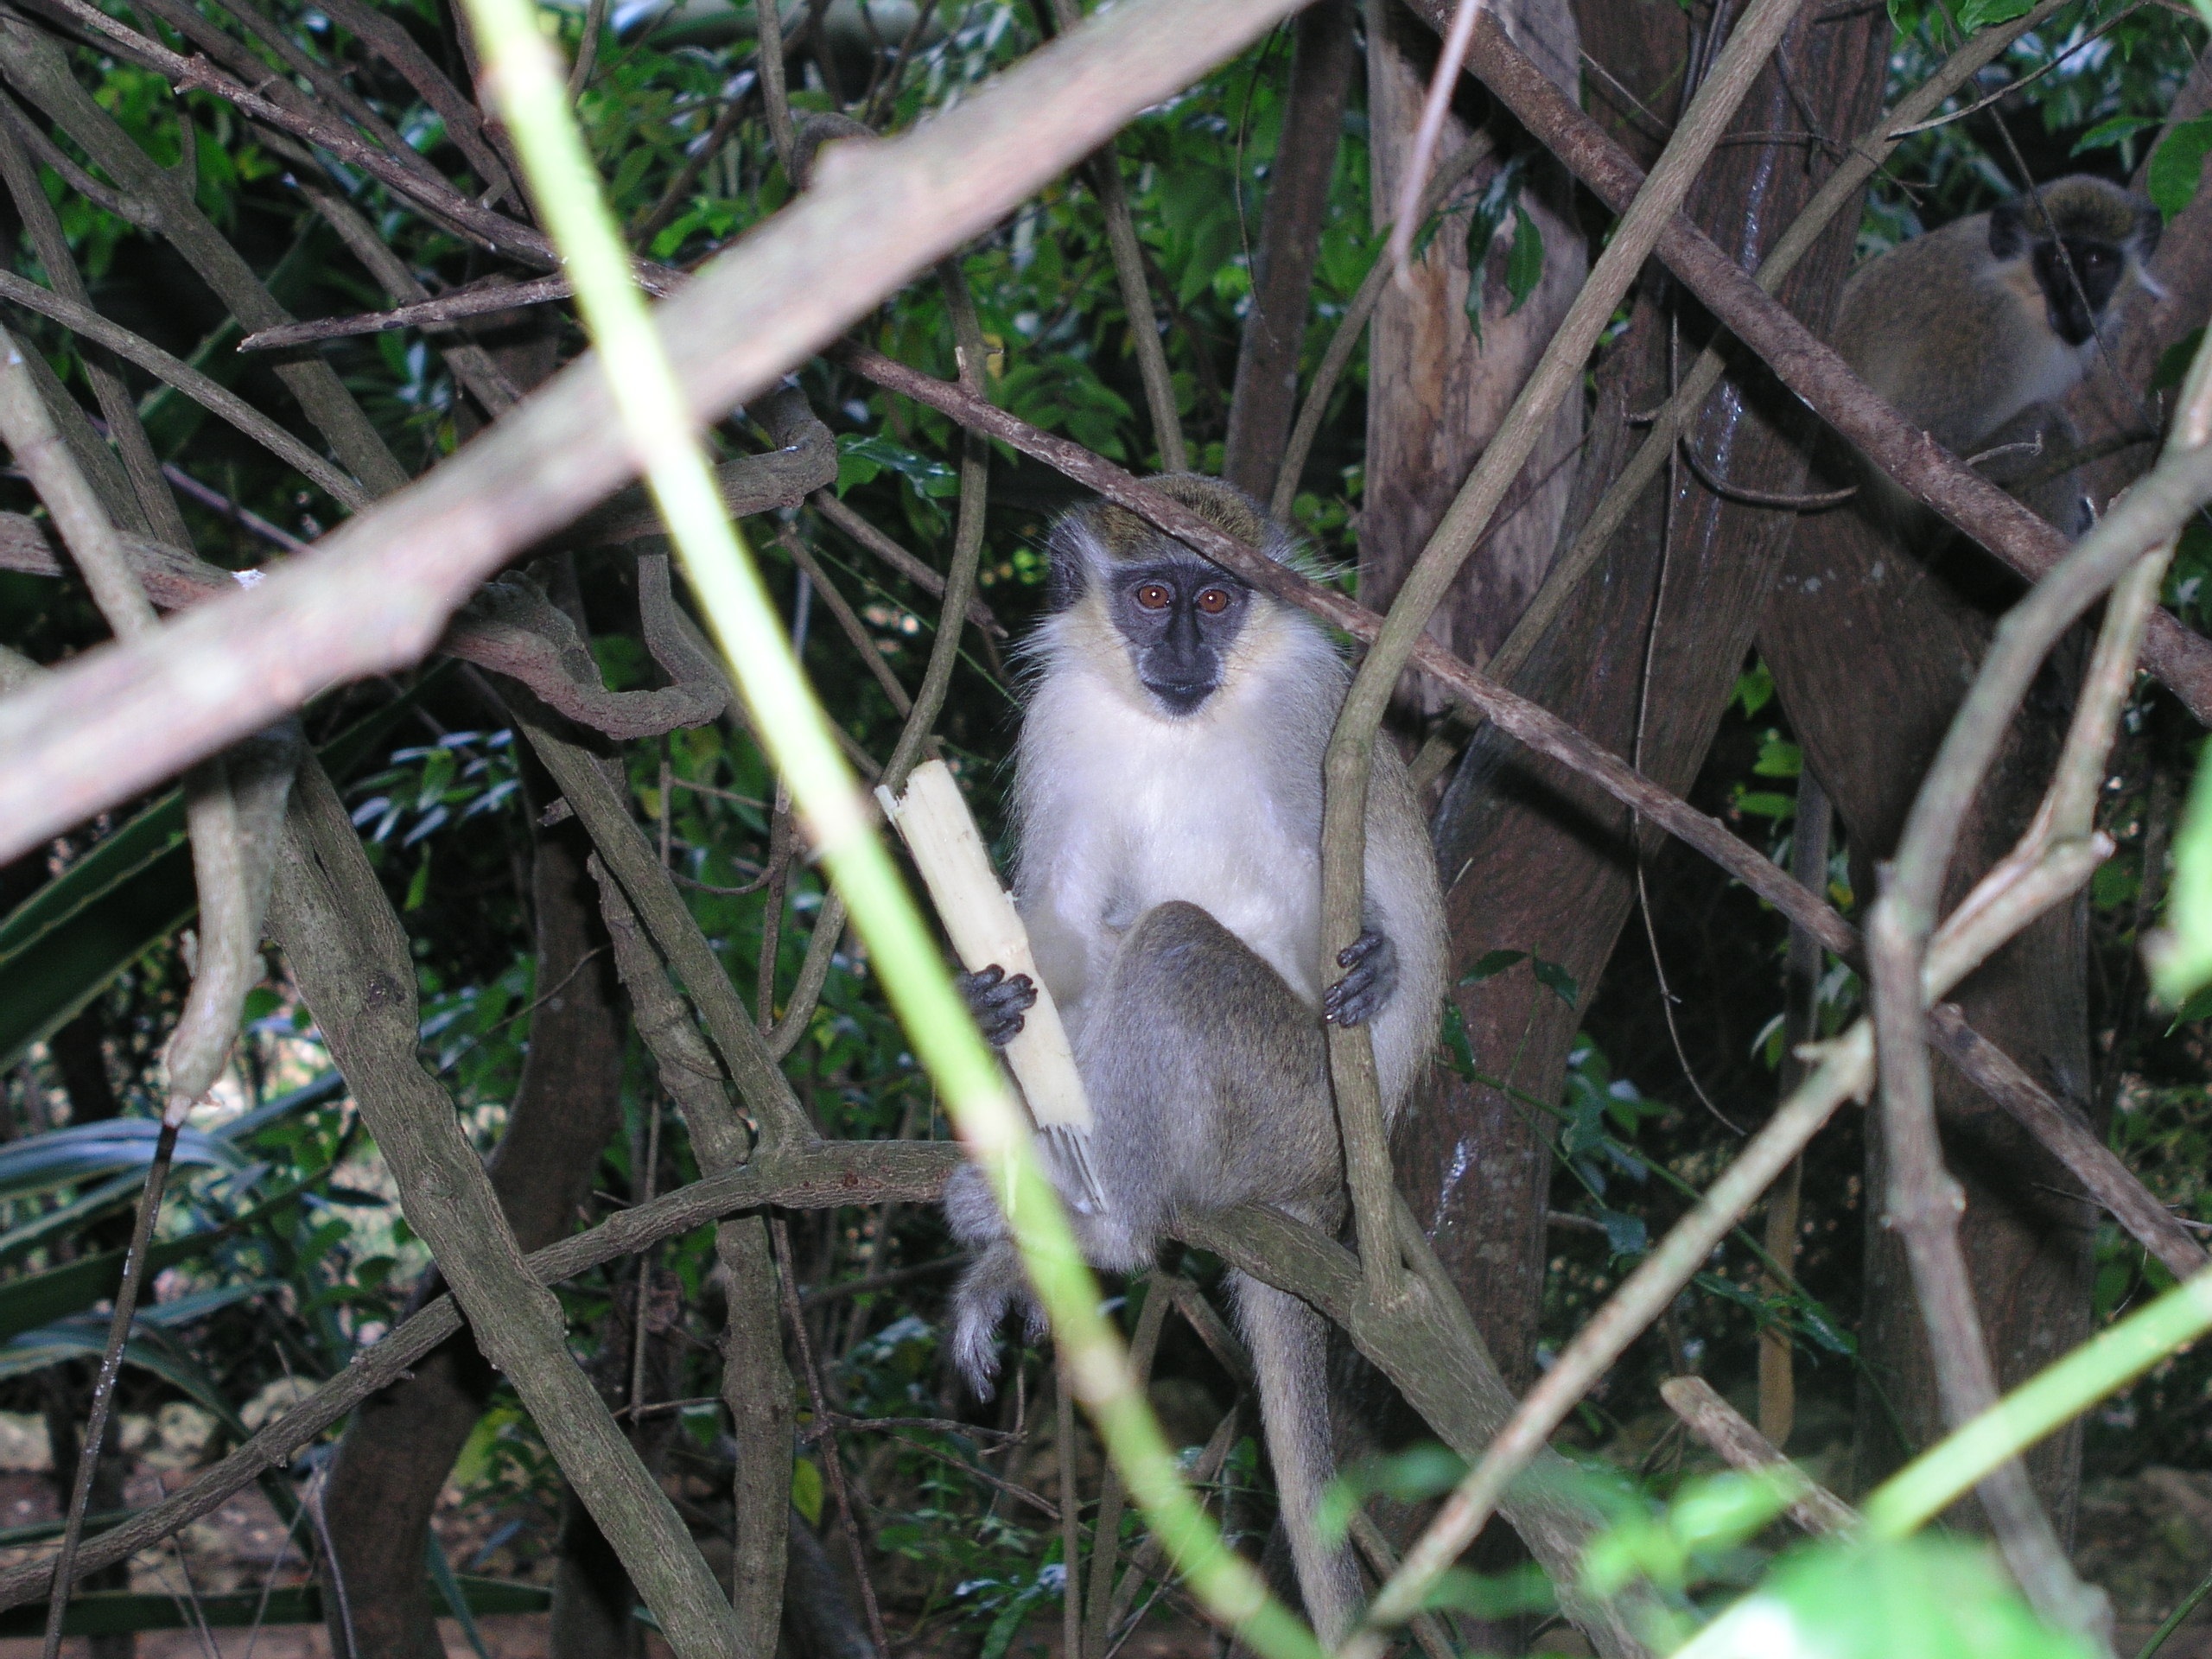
[(1106, 534)]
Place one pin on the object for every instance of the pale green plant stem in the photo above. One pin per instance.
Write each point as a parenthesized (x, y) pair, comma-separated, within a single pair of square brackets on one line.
[(523, 75)]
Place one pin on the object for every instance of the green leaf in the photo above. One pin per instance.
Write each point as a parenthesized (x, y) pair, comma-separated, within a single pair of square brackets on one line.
[(2118, 130), (1778, 758), (1626, 1234), (85, 1152), (1490, 964), (1556, 980), (806, 1489), (1458, 1050), (1766, 803), (1522, 1589), (62, 946), (2178, 164), (1929, 1597), (1754, 690), (1980, 14), (86, 1337), (1420, 1472), (862, 458), (1524, 265), (2173, 368)]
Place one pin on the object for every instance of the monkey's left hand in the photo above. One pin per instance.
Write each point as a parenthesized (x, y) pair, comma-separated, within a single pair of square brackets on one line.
[(1361, 994)]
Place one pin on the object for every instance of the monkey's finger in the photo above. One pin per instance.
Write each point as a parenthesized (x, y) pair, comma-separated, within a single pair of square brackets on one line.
[(1360, 949)]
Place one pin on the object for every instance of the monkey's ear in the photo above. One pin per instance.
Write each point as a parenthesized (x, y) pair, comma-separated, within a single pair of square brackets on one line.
[(2150, 223), (1072, 549), (2008, 230)]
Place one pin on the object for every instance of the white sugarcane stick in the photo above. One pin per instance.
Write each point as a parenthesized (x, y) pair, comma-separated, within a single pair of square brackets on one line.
[(986, 929)]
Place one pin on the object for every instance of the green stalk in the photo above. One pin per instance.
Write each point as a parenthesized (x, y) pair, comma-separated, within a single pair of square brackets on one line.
[(1948, 1471), (524, 76)]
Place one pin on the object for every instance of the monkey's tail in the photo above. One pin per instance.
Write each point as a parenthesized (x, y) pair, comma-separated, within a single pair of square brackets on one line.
[(1290, 1344)]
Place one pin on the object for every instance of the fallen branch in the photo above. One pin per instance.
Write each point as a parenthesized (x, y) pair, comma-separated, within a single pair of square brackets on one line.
[(1721, 1426)]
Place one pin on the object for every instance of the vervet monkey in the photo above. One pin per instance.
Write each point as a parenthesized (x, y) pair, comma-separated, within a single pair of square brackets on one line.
[(1167, 809), (1967, 327)]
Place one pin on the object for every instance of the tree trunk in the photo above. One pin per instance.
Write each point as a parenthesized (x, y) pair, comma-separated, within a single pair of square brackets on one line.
[(1533, 859)]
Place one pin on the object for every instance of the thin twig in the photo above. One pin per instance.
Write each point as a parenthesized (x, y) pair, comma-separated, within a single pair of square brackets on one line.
[(826, 503), (1345, 340), (476, 300), (1808, 862)]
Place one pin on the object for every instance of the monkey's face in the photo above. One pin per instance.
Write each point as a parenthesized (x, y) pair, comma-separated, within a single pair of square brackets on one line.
[(2076, 308), (1180, 618)]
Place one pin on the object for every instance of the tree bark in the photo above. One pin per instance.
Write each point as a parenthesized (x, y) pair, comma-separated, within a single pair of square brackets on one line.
[(1533, 859), (1265, 398), (395, 1456), (1436, 389)]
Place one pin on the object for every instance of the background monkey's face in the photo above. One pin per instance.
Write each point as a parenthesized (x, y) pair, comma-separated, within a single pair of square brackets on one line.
[(1180, 618), (2095, 227), (2098, 264)]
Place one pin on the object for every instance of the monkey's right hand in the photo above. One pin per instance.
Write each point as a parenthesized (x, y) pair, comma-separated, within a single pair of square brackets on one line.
[(998, 1002)]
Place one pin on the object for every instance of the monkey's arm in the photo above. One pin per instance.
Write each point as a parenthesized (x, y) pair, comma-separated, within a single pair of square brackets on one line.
[(998, 1002)]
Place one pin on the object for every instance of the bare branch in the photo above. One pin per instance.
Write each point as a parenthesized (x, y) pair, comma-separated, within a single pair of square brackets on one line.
[(1721, 1426), (476, 300)]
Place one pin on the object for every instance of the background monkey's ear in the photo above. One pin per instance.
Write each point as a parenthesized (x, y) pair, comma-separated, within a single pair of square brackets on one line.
[(2008, 230), (2150, 223)]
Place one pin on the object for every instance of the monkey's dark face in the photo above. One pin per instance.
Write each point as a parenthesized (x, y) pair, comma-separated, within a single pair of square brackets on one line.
[(1180, 619), (2076, 310)]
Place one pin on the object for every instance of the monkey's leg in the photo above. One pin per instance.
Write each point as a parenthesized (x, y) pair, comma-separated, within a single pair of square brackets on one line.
[(1211, 1082)]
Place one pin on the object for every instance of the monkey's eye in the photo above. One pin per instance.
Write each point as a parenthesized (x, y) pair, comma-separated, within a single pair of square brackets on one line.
[(1214, 600), (1155, 597)]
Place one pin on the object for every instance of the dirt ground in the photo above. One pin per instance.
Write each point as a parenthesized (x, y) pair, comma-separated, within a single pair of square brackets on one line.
[(2147, 1539)]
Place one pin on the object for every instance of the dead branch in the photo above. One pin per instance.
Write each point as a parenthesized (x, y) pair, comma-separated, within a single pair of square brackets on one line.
[(478, 299), (1721, 1426)]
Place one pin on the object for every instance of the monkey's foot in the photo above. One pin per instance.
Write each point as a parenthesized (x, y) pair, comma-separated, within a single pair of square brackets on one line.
[(1360, 994), (998, 1002)]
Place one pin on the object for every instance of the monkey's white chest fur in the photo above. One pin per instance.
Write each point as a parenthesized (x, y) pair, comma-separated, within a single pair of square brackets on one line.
[(1122, 809)]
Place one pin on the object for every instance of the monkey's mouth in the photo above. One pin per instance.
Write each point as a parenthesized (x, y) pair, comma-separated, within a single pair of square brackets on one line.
[(1180, 697)]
